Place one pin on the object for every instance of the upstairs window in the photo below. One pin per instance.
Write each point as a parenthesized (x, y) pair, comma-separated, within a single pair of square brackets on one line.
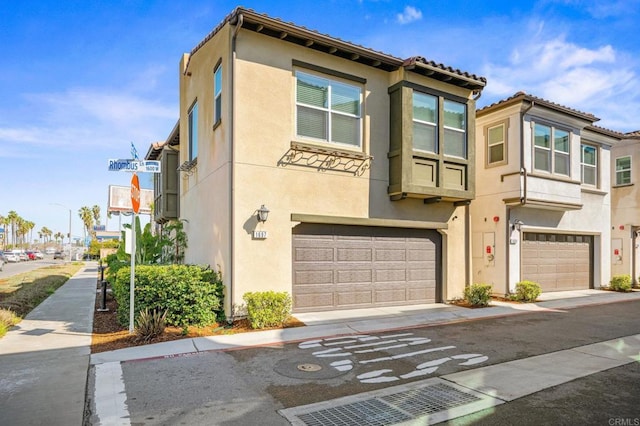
[(551, 150), (328, 110), (193, 132), (589, 165), (455, 129), (623, 170), (496, 149), (427, 122), (217, 95)]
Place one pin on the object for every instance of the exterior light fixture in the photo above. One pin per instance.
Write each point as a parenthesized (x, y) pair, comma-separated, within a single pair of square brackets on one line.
[(517, 225), (263, 214)]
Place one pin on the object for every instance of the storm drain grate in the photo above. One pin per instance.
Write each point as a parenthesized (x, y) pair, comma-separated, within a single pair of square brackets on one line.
[(430, 399), (372, 412), (390, 409)]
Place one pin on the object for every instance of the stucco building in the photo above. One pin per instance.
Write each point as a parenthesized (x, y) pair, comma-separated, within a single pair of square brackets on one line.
[(543, 205), (625, 201), (364, 161)]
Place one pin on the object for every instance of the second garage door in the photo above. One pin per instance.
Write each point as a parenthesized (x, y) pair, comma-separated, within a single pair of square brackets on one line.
[(343, 267), (558, 262)]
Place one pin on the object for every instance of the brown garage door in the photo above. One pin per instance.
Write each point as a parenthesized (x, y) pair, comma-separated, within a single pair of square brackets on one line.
[(557, 261), (343, 267)]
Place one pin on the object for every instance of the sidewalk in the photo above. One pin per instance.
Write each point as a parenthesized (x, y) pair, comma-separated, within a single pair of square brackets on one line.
[(45, 358)]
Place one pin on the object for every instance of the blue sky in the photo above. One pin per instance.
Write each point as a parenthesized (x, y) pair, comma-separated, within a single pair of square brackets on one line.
[(81, 80)]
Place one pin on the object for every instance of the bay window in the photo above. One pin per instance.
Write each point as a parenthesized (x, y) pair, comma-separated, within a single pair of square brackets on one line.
[(551, 150)]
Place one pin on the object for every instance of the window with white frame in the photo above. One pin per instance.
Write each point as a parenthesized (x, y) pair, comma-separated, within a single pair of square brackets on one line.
[(328, 110), (496, 137), (623, 170), (552, 151), (217, 95), (455, 129), (426, 123), (193, 132), (589, 165)]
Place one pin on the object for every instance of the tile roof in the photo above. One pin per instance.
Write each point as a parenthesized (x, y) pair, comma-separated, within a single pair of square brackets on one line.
[(262, 23), (523, 96)]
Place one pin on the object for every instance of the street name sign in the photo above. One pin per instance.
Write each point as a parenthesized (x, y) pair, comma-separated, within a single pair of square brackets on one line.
[(128, 165)]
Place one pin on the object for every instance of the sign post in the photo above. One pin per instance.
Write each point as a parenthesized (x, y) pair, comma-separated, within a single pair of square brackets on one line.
[(133, 165), (135, 203)]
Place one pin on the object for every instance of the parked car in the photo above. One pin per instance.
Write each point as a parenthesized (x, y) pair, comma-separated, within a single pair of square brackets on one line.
[(58, 255), (23, 255), (3, 260), (50, 250), (31, 255), (11, 256), (39, 254)]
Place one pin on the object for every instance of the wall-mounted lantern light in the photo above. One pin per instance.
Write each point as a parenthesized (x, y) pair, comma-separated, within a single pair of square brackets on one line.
[(263, 214), (517, 225)]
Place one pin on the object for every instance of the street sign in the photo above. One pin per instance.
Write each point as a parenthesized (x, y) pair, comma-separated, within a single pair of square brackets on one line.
[(128, 165), (135, 193)]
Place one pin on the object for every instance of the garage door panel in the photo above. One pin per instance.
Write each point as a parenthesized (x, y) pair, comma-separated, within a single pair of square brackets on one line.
[(354, 276), (368, 266), (354, 298), (313, 254), (314, 277), (556, 261), (354, 255), (316, 300)]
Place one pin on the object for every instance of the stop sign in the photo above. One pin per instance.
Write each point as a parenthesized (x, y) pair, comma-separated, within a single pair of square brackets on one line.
[(135, 193)]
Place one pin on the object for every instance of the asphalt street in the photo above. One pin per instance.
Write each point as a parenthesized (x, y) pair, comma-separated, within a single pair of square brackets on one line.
[(249, 386)]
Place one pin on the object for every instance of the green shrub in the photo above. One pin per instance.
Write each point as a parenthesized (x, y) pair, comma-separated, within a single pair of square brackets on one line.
[(527, 291), (191, 295), (620, 283), (150, 324), (478, 294), (267, 308), (7, 320)]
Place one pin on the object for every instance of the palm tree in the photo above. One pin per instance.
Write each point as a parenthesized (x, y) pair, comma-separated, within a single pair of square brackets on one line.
[(4, 222), (59, 236), (13, 217), (95, 210), (86, 215), (21, 229), (46, 232), (30, 225)]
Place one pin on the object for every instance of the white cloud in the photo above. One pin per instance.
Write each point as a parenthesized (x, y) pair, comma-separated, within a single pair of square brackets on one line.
[(89, 118), (596, 80), (410, 14)]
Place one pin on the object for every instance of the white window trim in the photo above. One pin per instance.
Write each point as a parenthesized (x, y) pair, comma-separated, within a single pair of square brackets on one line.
[(552, 149), (217, 113), (329, 111), (593, 166)]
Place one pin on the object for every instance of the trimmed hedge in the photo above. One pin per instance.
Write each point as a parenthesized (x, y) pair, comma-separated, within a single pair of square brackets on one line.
[(191, 295), (267, 308), (478, 294), (527, 291), (620, 283)]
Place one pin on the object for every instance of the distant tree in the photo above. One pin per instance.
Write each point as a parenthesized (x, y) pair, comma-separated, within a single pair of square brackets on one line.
[(95, 211), (59, 236), (86, 215), (13, 217)]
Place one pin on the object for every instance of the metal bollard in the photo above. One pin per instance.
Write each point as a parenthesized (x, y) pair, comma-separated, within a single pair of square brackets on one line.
[(103, 303)]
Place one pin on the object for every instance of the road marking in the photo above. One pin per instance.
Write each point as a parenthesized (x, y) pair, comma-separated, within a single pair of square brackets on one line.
[(110, 396), (344, 347)]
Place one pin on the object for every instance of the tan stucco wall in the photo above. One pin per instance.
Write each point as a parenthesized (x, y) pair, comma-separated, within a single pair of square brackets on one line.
[(264, 111)]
